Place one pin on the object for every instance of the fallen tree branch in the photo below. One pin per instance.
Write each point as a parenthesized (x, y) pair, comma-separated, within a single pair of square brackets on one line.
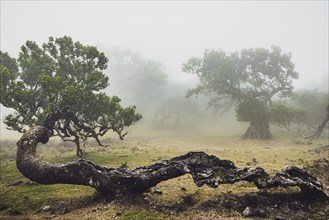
[(204, 168)]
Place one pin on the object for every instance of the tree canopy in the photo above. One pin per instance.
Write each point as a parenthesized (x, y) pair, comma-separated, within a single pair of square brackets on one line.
[(314, 103), (303, 115), (254, 75), (59, 86)]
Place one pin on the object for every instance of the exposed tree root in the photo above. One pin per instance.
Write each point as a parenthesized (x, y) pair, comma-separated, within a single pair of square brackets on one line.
[(205, 169)]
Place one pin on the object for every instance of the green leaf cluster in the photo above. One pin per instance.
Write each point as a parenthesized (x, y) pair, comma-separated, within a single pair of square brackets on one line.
[(284, 116), (252, 110), (314, 103), (59, 85), (251, 73)]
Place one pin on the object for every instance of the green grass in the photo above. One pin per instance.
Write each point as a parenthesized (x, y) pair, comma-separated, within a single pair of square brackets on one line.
[(272, 155), (32, 197)]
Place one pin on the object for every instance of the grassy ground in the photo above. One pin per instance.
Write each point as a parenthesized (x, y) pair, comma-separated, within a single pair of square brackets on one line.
[(180, 198)]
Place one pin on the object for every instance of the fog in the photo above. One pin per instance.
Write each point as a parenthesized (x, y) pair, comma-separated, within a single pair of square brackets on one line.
[(165, 34)]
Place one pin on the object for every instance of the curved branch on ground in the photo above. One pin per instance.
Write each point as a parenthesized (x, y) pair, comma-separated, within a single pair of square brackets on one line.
[(204, 168)]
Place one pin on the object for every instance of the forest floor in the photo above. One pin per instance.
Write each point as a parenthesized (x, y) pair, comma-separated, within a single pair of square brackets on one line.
[(178, 198)]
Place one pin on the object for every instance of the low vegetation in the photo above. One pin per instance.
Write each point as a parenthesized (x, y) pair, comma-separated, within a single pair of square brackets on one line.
[(174, 199)]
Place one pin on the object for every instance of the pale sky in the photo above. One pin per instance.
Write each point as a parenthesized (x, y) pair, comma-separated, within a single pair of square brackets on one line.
[(173, 31)]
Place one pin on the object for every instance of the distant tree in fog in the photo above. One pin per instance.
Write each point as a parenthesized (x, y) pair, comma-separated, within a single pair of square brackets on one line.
[(138, 80), (59, 86), (302, 115), (174, 110), (314, 103), (248, 80), (290, 118)]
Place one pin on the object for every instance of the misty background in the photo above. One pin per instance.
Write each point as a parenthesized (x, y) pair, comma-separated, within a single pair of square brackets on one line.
[(147, 43)]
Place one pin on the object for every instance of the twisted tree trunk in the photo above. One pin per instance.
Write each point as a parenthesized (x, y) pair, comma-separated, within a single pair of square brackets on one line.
[(204, 168), (259, 130)]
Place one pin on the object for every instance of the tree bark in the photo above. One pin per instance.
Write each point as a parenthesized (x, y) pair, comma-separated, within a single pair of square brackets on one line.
[(204, 168), (258, 130)]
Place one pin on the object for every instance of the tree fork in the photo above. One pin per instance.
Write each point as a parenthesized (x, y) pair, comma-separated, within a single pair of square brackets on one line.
[(204, 168)]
